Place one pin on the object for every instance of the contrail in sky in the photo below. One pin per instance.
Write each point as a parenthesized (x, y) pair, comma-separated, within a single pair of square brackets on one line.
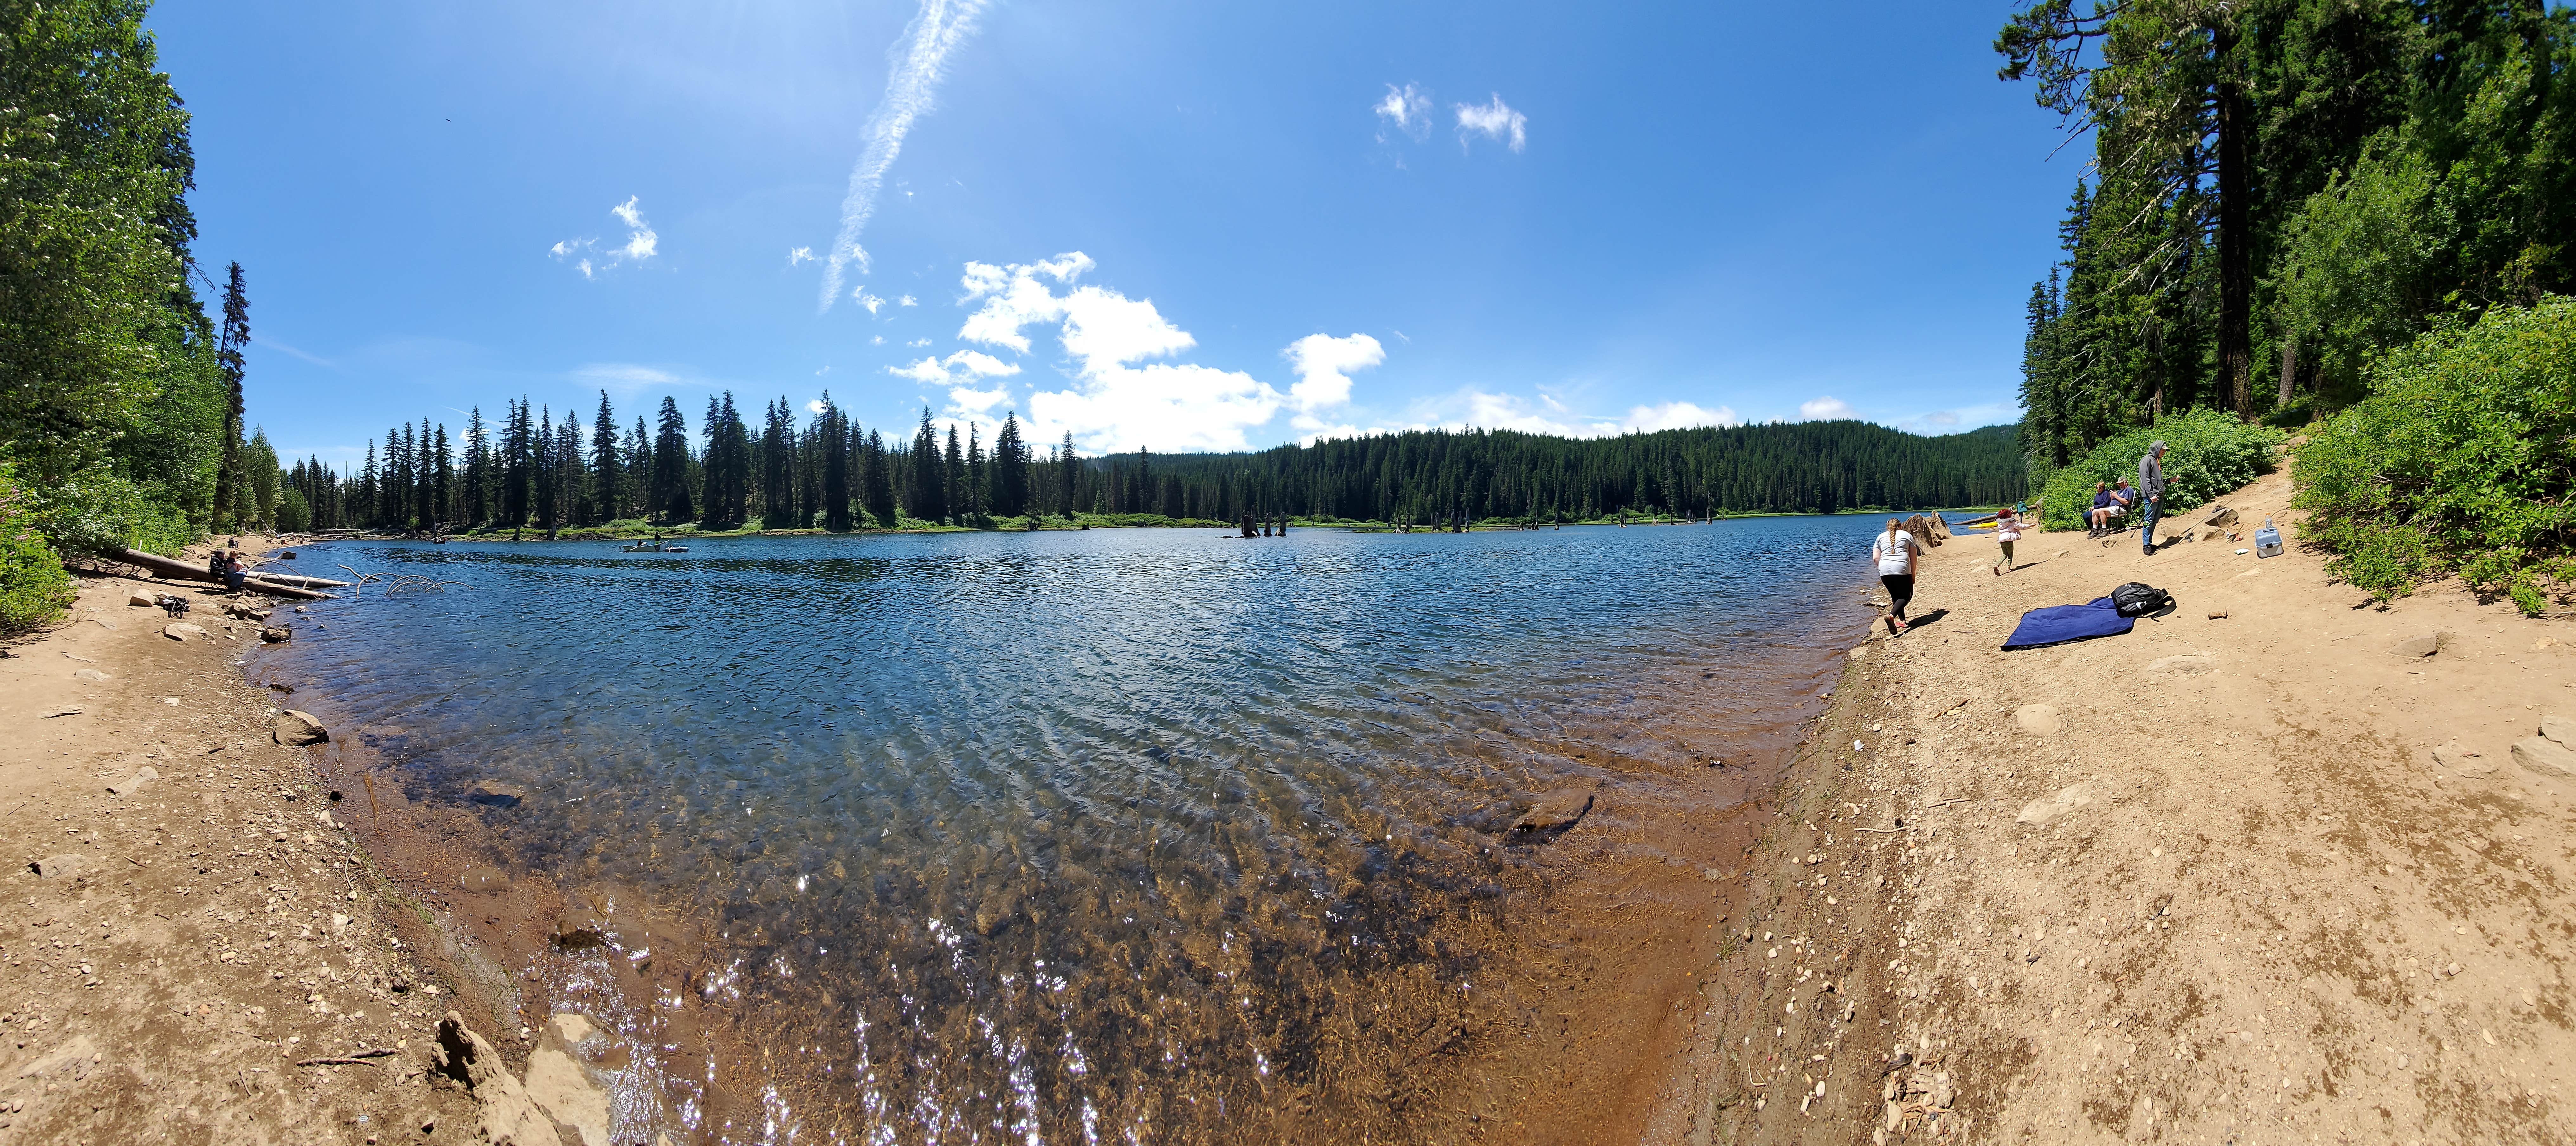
[(919, 59)]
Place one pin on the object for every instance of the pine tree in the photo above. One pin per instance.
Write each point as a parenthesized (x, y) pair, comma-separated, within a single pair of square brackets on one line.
[(638, 492), (546, 475), (1010, 481), (926, 493), (515, 463), (833, 437), (876, 482), (606, 491), (478, 469), (952, 476), (977, 492), (228, 362), (778, 466), (671, 502)]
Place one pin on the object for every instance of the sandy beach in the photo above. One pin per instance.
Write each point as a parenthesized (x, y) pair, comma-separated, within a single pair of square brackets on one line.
[(2271, 867), (197, 950)]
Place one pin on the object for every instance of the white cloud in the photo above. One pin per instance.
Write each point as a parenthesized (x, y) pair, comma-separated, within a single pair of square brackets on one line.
[(1407, 110), (867, 300), (1324, 365), (1549, 415), (626, 377), (589, 257), (1677, 416), (1114, 404), (976, 405), (814, 406), (907, 300), (1826, 409), (1495, 121), (800, 255), (876, 340), (918, 343), (919, 60), (965, 364)]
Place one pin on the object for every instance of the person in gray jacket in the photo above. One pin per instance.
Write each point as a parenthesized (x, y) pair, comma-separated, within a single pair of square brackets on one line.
[(2151, 486)]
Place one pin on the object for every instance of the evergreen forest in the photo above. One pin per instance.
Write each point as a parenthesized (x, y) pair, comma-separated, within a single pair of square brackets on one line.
[(536, 468), (2283, 192)]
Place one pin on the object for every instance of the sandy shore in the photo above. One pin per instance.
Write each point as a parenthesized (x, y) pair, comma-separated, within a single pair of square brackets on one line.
[(205, 955), (2263, 870)]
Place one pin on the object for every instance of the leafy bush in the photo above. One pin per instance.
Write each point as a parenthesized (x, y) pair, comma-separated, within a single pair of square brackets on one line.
[(2207, 453), (2462, 459), (33, 587)]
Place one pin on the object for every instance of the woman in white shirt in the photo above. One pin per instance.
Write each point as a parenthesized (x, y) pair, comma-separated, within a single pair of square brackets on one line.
[(2007, 531), (1894, 552)]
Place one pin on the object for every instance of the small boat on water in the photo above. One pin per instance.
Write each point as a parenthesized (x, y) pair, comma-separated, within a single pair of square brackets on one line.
[(653, 546)]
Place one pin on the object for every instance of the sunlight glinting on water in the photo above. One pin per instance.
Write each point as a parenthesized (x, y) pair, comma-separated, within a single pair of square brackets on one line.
[(1053, 837)]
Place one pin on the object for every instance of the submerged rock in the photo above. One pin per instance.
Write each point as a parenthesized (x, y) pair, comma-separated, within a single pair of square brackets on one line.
[(495, 794), (484, 879), (1555, 812)]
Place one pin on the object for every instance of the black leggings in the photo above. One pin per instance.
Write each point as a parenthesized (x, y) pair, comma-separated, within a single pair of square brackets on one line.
[(1900, 589)]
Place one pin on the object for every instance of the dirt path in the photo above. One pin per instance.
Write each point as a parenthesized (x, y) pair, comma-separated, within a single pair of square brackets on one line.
[(204, 956), (2268, 877)]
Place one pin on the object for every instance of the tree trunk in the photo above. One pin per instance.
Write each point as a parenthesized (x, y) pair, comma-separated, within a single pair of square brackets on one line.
[(2289, 369), (2235, 234)]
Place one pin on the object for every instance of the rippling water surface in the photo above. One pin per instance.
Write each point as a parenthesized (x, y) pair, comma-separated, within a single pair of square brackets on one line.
[(1073, 836)]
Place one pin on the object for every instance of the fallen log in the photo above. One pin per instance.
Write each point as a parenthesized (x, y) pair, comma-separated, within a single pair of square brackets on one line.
[(186, 571), (301, 581)]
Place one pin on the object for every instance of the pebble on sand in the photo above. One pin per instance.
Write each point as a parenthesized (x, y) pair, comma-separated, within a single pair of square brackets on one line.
[(2050, 807), (2037, 719)]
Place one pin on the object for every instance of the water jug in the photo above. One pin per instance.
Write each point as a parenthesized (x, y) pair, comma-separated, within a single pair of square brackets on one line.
[(2267, 540)]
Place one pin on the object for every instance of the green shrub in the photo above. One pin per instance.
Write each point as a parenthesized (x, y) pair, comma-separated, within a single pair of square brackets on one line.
[(2207, 453), (2462, 459), (33, 586)]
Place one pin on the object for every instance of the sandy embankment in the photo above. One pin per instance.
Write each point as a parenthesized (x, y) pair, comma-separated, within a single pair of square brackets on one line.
[(179, 953), (2273, 876)]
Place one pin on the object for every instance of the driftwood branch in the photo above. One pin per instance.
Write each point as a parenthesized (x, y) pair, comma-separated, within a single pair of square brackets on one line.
[(359, 1058)]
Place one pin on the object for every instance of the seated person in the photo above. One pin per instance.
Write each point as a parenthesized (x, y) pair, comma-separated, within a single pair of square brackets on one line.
[(2123, 499), (2100, 515), (234, 573)]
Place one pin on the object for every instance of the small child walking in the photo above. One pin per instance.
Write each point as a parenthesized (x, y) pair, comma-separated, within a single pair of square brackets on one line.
[(2007, 531)]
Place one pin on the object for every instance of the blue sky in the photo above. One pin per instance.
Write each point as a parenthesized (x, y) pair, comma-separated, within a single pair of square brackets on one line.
[(1180, 226)]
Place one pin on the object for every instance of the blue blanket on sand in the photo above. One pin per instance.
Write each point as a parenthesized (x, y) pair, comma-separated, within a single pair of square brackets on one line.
[(2062, 624)]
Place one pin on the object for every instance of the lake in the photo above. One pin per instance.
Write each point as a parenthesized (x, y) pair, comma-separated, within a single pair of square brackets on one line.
[(1107, 835)]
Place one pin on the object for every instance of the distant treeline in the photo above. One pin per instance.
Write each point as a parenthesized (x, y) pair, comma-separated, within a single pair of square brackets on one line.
[(537, 469)]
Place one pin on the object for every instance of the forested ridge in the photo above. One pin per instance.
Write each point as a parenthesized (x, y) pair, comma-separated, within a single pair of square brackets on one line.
[(2282, 192), (536, 468)]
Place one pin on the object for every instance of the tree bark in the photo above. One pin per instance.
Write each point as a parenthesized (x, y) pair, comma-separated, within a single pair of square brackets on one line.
[(2289, 369), (2235, 233)]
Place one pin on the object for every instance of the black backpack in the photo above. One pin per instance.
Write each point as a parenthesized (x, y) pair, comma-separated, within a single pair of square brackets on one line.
[(2137, 599)]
